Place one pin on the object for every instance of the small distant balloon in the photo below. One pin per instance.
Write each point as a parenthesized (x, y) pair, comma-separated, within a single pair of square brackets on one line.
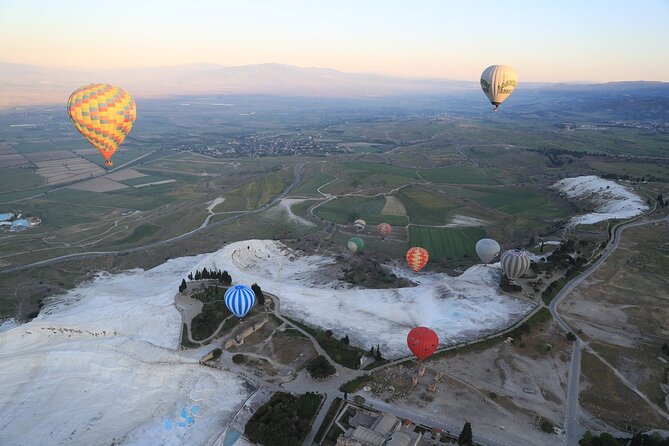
[(422, 342), (355, 244), (487, 249), (384, 230), (498, 82), (515, 263), (417, 258), (104, 114), (239, 300)]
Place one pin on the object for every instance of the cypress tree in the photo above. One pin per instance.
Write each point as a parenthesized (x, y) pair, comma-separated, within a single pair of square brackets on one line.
[(465, 438)]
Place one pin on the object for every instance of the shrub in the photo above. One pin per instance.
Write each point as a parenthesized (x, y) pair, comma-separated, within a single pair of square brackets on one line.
[(320, 367), (547, 426), (239, 358)]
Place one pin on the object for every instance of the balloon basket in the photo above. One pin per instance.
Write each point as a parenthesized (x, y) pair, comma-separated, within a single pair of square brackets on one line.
[(108, 163)]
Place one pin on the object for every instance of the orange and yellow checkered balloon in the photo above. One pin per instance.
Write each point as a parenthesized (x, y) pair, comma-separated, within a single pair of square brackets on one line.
[(417, 258), (104, 114)]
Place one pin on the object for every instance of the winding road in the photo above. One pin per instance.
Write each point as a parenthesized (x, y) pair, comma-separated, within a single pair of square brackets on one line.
[(574, 431), (297, 170)]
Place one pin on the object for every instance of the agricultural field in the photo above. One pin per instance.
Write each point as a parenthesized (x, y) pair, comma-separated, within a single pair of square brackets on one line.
[(515, 201), (347, 209), (447, 243)]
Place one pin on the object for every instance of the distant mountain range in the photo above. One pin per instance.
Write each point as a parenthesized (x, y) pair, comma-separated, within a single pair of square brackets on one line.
[(22, 85)]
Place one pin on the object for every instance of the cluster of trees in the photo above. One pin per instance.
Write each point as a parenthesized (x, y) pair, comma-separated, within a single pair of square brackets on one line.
[(277, 422), (613, 176), (606, 439), (661, 201), (222, 276), (345, 340), (665, 349), (183, 286), (320, 368)]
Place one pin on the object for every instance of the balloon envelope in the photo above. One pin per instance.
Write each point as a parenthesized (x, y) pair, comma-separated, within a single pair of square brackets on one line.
[(239, 300), (487, 249), (104, 114), (498, 82), (422, 342), (355, 244), (417, 258), (384, 229), (515, 263)]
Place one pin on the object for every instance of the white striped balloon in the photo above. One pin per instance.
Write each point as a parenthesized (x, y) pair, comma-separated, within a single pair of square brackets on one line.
[(515, 263), (239, 300), (498, 82)]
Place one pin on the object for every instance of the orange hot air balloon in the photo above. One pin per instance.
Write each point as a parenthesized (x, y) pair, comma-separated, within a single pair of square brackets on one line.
[(384, 230), (422, 342), (417, 258), (104, 114)]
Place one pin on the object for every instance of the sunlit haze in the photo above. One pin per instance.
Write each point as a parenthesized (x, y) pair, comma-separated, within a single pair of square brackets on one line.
[(544, 41)]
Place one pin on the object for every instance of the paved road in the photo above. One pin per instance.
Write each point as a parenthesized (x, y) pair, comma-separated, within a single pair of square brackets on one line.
[(573, 431), (205, 224)]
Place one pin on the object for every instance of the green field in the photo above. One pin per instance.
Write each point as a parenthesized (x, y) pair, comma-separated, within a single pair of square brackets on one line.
[(59, 215), (382, 168), (16, 178), (311, 185), (141, 199), (426, 207), (445, 243), (514, 201), (254, 194), (460, 175), (139, 233), (346, 210)]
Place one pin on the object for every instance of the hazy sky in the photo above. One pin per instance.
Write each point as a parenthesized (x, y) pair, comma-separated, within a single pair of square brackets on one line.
[(567, 40)]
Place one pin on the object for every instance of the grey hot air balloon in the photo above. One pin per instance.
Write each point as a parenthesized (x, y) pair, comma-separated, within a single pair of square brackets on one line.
[(515, 263), (487, 249)]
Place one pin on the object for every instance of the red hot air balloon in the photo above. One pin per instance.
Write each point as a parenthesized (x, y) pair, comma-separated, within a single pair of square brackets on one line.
[(422, 342), (417, 258), (384, 230)]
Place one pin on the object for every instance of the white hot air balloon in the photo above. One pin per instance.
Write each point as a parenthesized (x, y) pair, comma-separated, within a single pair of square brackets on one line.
[(515, 263), (487, 249), (498, 82)]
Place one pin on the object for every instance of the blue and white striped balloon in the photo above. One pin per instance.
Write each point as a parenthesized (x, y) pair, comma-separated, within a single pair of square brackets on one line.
[(239, 299)]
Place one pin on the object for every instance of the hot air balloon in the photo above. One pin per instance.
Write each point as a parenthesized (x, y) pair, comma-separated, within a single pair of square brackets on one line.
[(417, 258), (384, 230), (104, 114), (355, 244), (360, 224), (239, 300), (487, 249), (422, 342), (515, 263), (498, 82)]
